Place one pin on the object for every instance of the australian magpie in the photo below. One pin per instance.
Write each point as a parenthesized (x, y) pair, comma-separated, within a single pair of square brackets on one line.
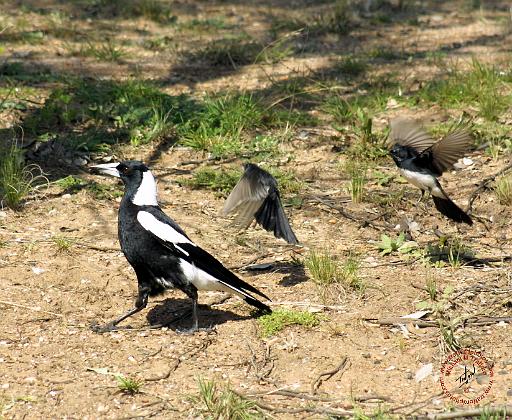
[(422, 160), (256, 196), (160, 252)]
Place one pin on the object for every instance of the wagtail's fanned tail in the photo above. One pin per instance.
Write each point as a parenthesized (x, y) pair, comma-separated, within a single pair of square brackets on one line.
[(451, 210)]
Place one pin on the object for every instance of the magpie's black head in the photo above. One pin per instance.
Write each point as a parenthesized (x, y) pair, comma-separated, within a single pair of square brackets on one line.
[(130, 171), (140, 186)]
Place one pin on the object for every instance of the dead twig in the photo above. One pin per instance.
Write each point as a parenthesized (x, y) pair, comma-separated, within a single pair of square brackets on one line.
[(364, 221), (176, 362), (325, 376), (402, 321), (30, 308), (299, 395), (98, 248), (165, 375), (315, 410), (308, 305), (251, 261), (426, 323), (483, 184), (504, 410)]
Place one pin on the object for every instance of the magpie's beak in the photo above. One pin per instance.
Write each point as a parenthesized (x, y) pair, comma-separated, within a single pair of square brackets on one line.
[(107, 169)]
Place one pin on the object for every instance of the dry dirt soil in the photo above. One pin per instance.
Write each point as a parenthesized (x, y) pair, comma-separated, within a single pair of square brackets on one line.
[(53, 366)]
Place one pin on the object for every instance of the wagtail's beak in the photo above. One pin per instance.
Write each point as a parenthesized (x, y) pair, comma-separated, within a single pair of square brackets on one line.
[(107, 169)]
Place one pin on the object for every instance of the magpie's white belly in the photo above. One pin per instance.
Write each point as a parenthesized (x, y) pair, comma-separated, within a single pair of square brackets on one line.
[(423, 181), (201, 279)]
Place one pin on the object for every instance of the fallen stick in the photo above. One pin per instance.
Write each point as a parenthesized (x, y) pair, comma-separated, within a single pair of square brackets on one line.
[(98, 248), (426, 323), (308, 304), (402, 321), (315, 410), (328, 375), (504, 410), (366, 221), (17, 305)]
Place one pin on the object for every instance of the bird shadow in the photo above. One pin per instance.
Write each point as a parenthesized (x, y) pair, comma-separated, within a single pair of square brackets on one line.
[(176, 314), (295, 273)]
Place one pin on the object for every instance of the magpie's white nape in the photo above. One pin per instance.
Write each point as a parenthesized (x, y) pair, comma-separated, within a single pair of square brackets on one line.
[(160, 252)]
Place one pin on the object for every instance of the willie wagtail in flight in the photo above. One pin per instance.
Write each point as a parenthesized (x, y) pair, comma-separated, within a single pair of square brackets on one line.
[(422, 160), (256, 196), (160, 252)]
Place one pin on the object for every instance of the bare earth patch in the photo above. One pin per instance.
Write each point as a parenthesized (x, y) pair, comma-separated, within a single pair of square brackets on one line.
[(61, 269)]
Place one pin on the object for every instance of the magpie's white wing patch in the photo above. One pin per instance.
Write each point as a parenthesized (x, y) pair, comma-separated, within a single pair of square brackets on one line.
[(161, 230), (201, 279)]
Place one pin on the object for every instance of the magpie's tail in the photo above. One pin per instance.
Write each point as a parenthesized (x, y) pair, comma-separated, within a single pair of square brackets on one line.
[(451, 210), (257, 304)]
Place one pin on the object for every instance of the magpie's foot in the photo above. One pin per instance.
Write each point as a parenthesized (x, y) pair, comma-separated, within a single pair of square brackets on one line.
[(100, 329), (192, 330)]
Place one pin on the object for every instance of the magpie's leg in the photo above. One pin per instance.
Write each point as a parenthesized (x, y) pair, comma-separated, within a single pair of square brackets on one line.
[(192, 294), (140, 304), (422, 194), (195, 319)]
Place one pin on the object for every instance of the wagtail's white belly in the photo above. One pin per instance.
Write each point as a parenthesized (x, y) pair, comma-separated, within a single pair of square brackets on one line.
[(423, 181)]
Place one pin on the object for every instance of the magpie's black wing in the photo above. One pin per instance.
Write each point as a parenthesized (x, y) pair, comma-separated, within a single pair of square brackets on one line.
[(171, 236), (248, 195), (408, 133), (273, 219)]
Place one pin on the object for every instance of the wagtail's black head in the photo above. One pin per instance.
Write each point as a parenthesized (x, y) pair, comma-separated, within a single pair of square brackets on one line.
[(137, 178), (400, 153)]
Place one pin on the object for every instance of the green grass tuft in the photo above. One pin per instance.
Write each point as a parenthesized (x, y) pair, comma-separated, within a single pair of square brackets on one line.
[(17, 180), (226, 52), (351, 66), (155, 10), (503, 190), (323, 268), (128, 385), (62, 243), (482, 85), (104, 191), (70, 183), (109, 112), (214, 179), (222, 125), (356, 170), (104, 51), (279, 319), (332, 276), (222, 403)]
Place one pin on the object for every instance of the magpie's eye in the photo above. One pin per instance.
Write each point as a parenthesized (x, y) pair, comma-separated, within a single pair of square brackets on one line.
[(123, 169)]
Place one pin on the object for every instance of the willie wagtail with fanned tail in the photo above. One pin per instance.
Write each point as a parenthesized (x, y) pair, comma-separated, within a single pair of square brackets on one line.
[(256, 196), (160, 252), (422, 160)]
